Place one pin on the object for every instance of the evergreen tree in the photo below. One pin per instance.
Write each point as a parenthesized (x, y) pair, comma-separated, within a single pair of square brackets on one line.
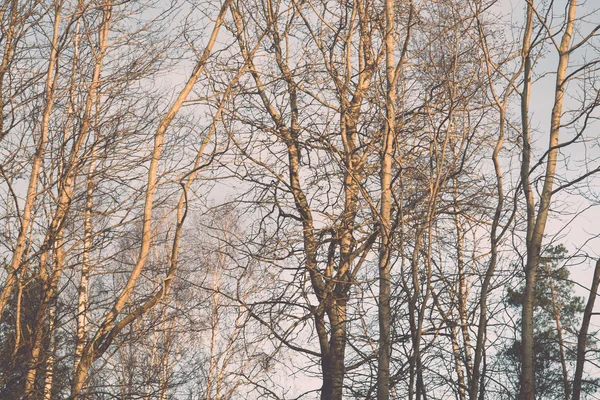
[(557, 313)]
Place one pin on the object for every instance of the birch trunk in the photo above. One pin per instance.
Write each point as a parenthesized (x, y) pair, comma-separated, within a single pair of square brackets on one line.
[(385, 212)]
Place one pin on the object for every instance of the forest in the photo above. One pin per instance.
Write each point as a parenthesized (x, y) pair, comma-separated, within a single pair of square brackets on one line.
[(299, 199)]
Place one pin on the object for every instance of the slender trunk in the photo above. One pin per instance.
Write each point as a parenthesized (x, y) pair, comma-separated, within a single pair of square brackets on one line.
[(476, 375), (18, 311), (582, 338), (462, 359), (458, 364), (214, 331), (83, 290), (463, 295), (527, 373), (166, 368), (561, 343), (49, 373), (413, 319), (34, 356), (384, 353)]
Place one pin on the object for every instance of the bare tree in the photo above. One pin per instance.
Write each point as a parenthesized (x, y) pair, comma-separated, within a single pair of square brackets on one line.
[(537, 219)]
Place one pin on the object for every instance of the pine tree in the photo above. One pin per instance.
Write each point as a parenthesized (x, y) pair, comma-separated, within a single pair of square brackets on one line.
[(557, 312)]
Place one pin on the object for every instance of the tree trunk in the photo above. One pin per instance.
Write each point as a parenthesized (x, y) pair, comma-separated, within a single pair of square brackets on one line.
[(583, 333), (385, 350), (535, 231), (49, 370), (556, 309), (332, 363)]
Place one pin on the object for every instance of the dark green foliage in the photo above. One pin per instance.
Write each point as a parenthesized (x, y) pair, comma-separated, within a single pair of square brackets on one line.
[(554, 296)]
